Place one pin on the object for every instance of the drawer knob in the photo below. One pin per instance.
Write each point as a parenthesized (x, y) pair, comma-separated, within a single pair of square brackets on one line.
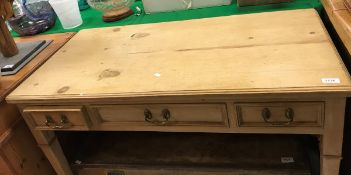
[(166, 116), (289, 114)]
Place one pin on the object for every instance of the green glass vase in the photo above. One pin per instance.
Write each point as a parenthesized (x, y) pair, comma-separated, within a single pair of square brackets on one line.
[(83, 5)]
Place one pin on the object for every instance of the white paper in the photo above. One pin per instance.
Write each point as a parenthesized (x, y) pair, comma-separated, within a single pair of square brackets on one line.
[(331, 80), (287, 160), (157, 74)]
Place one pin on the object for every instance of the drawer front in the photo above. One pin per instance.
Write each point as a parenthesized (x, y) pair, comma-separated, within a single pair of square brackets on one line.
[(57, 118), (162, 115), (310, 114)]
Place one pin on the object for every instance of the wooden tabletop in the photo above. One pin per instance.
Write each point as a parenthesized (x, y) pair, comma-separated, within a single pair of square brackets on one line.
[(275, 52), (8, 83)]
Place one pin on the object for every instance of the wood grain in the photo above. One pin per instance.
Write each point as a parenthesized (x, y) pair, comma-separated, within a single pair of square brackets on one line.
[(227, 60), (57, 158), (341, 20), (9, 114), (20, 152), (303, 114), (196, 57), (8, 83), (193, 115), (340, 17), (75, 117)]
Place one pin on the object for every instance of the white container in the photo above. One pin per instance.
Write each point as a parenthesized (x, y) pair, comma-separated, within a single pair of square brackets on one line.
[(68, 12), (154, 6)]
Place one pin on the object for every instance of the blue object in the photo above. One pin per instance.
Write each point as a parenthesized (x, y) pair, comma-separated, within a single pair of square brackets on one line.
[(32, 18)]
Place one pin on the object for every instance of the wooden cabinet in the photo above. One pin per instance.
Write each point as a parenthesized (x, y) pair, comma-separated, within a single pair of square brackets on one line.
[(19, 149), (9, 114), (267, 73), (19, 153), (339, 20)]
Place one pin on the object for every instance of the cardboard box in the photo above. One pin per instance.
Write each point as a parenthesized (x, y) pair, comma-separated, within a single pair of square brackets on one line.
[(154, 6)]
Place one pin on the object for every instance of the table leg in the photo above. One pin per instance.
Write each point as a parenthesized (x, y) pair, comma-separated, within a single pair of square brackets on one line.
[(51, 147), (332, 139), (53, 151)]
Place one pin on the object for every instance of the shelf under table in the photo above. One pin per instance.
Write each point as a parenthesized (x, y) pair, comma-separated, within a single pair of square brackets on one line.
[(151, 151)]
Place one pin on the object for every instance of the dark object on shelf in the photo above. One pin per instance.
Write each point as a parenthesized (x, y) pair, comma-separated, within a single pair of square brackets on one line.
[(32, 18), (260, 2)]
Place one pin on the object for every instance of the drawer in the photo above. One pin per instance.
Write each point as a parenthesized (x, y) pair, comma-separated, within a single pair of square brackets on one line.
[(57, 118), (161, 115), (310, 114)]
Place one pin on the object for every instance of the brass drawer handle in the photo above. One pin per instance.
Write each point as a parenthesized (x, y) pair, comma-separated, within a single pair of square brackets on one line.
[(64, 122), (266, 114), (49, 122), (166, 115), (289, 114)]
